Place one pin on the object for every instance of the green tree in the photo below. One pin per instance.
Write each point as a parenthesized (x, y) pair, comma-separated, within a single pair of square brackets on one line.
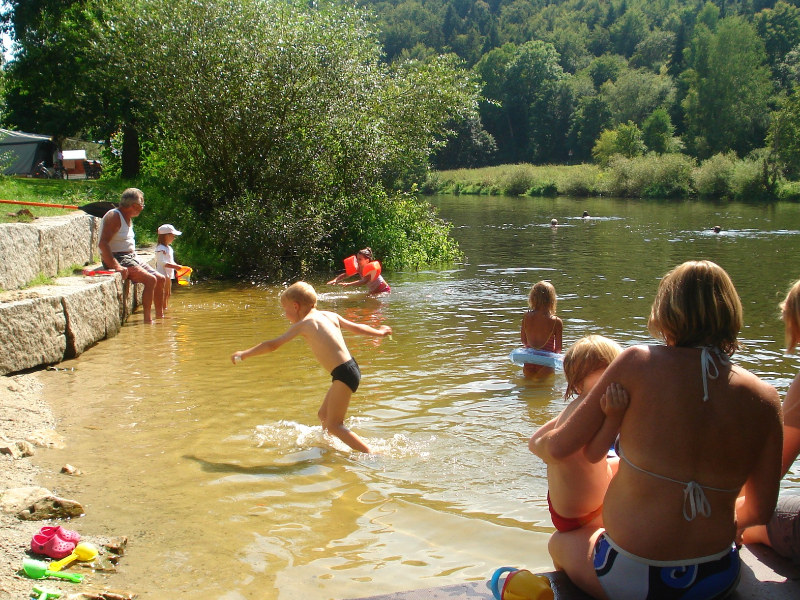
[(408, 24), (61, 80), (637, 93), (654, 51), (625, 139), (590, 118), (630, 141), (606, 68), (531, 90), (628, 31), (287, 101), (657, 132), (784, 137), (729, 90), (779, 28)]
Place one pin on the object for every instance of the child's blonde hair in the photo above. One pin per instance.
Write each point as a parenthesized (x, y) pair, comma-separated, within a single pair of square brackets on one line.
[(302, 293), (697, 305), (162, 238), (790, 309), (543, 296), (586, 356)]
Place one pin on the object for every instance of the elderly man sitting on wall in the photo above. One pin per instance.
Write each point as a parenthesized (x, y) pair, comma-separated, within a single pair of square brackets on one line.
[(118, 251)]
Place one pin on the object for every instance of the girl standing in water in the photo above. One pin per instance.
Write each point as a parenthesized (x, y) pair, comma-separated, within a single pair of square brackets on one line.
[(541, 328), (369, 272)]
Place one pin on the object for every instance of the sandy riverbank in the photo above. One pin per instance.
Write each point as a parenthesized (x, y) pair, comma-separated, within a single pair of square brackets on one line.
[(25, 415)]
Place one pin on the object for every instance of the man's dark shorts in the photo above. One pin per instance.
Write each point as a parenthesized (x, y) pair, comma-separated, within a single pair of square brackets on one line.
[(127, 260)]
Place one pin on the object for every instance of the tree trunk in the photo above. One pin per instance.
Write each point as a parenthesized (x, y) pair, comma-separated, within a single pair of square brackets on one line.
[(130, 152)]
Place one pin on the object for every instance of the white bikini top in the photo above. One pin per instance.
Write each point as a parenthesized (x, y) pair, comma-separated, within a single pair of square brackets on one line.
[(694, 498)]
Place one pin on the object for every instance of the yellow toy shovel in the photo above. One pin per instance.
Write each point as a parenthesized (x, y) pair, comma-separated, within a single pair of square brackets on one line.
[(83, 552)]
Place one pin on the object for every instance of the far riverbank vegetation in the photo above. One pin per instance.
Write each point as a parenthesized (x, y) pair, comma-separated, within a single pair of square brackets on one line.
[(647, 176)]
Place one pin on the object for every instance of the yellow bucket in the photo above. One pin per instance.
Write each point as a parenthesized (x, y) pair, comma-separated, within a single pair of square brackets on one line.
[(184, 275)]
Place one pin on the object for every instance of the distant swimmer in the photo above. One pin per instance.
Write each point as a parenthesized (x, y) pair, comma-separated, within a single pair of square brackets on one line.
[(717, 228), (554, 223), (586, 214)]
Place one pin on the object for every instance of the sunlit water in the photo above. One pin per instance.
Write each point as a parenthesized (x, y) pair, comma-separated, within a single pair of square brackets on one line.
[(225, 484)]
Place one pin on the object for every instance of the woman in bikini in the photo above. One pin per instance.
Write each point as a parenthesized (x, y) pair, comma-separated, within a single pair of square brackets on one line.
[(541, 328), (698, 429)]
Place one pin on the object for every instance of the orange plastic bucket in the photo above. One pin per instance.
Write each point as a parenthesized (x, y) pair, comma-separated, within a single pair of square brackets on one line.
[(184, 275)]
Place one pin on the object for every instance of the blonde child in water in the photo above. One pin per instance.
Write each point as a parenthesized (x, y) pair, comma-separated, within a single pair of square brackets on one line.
[(374, 281), (165, 258), (323, 332), (541, 328), (578, 483)]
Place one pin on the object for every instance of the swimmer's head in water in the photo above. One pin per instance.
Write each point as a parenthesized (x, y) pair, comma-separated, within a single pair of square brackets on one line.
[(302, 293), (584, 357), (553, 222), (790, 312), (697, 305), (543, 297), (586, 213), (717, 228)]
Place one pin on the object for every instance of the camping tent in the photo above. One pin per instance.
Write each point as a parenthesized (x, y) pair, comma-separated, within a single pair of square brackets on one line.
[(21, 152)]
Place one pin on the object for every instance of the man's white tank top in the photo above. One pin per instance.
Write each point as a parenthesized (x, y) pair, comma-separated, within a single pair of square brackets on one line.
[(123, 240)]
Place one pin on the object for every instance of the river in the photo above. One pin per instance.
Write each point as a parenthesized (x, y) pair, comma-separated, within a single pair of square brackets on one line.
[(225, 485)]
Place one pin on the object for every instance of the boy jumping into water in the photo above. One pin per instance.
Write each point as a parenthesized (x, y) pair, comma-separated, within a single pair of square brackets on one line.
[(323, 332)]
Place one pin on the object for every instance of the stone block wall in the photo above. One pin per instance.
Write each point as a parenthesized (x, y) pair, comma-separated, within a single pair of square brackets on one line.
[(46, 324), (47, 246)]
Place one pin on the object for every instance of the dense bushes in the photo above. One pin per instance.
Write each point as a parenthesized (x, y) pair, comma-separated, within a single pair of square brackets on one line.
[(649, 176), (306, 237), (653, 176)]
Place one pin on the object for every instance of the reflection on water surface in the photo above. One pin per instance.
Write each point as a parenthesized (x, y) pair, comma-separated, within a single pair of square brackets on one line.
[(224, 482)]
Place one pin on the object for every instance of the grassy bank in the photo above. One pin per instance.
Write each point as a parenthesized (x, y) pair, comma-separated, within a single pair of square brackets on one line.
[(161, 206), (52, 191), (652, 176)]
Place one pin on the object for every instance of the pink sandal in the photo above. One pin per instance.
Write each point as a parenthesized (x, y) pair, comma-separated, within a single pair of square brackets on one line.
[(65, 534), (54, 546)]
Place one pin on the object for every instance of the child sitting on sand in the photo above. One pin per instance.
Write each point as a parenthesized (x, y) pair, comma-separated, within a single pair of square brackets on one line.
[(323, 332), (578, 483), (541, 328)]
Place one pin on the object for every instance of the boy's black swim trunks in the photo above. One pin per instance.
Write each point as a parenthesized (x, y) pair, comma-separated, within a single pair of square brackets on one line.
[(348, 373)]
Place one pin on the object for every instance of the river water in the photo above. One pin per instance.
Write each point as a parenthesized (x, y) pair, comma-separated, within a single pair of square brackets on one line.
[(227, 488)]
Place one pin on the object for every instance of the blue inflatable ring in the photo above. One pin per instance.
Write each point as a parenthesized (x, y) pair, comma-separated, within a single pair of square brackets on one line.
[(530, 356)]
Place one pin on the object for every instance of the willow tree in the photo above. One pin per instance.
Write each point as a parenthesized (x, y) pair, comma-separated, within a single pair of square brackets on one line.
[(276, 108)]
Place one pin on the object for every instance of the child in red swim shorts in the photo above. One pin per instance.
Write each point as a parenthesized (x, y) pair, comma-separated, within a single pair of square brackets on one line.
[(578, 483)]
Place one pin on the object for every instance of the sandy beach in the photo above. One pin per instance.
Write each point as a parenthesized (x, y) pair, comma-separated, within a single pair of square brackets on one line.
[(25, 417)]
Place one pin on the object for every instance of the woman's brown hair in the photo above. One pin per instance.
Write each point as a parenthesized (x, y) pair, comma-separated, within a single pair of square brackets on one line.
[(697, 305)]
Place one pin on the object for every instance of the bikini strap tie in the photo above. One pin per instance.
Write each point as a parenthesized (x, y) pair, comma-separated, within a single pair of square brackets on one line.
[(697, 501), (709, 367)]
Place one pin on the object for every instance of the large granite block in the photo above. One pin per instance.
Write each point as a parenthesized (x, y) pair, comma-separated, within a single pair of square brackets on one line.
[(32, 333), (19, 254), (90, 309), (64, 241)]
